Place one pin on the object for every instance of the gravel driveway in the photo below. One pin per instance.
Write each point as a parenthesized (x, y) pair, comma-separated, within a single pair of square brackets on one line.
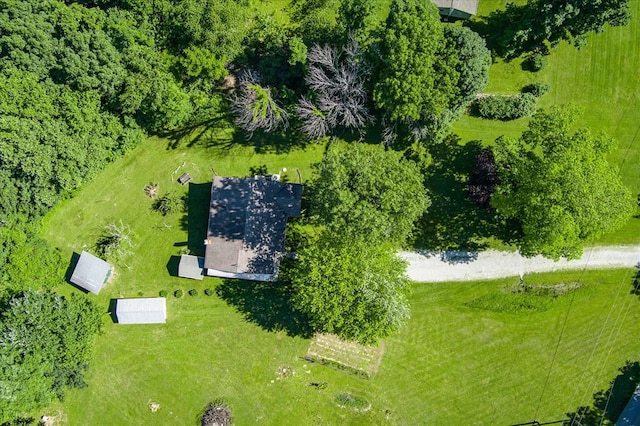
[(468, 266)]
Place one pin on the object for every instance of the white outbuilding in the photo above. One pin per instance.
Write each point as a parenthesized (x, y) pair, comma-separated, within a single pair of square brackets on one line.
[(142, 310), (91, 273)]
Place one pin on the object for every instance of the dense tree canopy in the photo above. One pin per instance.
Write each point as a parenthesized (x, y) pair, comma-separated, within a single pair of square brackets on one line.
[(558, 183), (350, 287), (45, 343), (426, 71), (528, 27), (412, 81), (80, 85), (474, 60), (466, 52), (368, 192)]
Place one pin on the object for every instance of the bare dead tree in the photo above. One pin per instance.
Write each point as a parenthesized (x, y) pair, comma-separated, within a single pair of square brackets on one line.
[(115, 241), (254, 106), (314, 121), (337, 80)]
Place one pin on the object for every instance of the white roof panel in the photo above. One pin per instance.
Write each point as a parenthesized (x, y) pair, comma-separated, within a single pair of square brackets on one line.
[(143, 310), (90, 273)]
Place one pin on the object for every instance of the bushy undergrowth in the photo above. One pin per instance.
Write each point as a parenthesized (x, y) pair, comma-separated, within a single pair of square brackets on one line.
[(537, 89), (346, 400), (505, 107), (523, 298)]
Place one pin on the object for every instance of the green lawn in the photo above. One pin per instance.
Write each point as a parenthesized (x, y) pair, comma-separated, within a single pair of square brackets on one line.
[(451, 365), (602, 78)]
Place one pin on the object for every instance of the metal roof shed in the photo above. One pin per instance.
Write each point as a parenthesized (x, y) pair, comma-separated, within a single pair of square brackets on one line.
[(144, 310), (191, 267), (90, 273), (458, 9)]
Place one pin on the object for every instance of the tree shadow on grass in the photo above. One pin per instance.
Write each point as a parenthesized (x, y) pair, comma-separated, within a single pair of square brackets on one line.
[(267, 304), (266, 143), (635, 284), (196, 219), (503, 31), (220, 132), (609, 404), (453, 222), (200, 132)]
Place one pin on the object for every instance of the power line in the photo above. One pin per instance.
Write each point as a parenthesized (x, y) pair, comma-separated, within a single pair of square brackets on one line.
[(564, 325), (595, 346), (617, 332)]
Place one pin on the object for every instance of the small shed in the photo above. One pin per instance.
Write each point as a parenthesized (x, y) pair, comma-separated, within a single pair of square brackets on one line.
[(457, 9), (91, 273), (191, 267), (142, 310)]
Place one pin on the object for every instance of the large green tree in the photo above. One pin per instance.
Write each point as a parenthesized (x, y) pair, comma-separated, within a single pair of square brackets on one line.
[(557, 181), (46, 341), (364, 191), (466, 53), (350, 287), (413, 79), (522, 28), (472, 64)]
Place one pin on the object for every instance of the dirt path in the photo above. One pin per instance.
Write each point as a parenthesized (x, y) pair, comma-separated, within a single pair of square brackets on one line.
[(468, 266)]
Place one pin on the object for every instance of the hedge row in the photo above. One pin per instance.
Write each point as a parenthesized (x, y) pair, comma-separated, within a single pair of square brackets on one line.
[(506, 107), (179, 292)]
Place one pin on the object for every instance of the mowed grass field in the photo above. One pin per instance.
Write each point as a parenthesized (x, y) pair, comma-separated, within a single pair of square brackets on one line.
[(601, 78), (451, 365)]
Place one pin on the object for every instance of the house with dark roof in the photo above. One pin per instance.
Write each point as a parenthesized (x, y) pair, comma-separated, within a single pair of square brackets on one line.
[(457, 9), (247, 225)]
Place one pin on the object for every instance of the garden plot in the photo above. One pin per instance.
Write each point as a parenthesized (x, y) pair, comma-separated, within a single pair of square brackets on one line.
[(362, 360)]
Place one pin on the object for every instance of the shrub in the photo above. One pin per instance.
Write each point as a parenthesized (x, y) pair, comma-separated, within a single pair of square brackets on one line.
[(506, 107), (356, 403), (208, 291), (166, 204), (163, 293), (217, 413), (537, 89), (535, 62), (483, 179), (178, 293), (193, 292), (114, 241)]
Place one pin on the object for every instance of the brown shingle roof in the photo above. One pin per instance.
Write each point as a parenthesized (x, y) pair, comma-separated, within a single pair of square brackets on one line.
[(247, 223)]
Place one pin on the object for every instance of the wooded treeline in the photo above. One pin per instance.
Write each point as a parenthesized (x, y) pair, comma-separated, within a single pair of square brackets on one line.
[(81, 83)]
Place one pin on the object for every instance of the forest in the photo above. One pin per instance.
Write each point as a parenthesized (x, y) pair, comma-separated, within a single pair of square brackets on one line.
[(82, 83)]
